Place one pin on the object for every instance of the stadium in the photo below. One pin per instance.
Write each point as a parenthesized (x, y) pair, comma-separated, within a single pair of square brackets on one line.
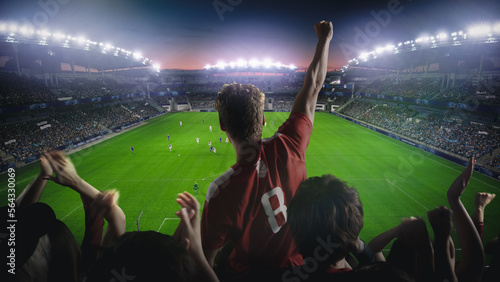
[(398, 123)]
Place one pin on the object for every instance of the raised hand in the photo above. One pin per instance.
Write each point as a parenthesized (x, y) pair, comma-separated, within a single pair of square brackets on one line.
[(458, 186), (45, 167), (65, 172), (441, 220), (483, 199), (189, 230), (324, 30)]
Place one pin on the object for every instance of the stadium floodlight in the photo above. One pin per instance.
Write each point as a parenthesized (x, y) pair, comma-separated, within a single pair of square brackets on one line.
[(207, 66), (496, 28), (26, 31), (400, 44), (58, 36), (232, 64), (253, 63), (156, 67), (267, 63), (43, 33), (389, 47), (241, 63), (137, 56), (221, 65), (3, 27), (13, 28), (379, 50), (81, 40), (479, 30), (292, 67), (442, 36), (364, 56)]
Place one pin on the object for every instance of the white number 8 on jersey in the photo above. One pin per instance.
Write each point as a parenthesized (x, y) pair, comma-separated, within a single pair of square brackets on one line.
[(271, 214)]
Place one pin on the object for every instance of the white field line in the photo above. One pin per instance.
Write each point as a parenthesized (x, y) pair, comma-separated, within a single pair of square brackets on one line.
[(407, 195), (167, 219), (71, 212), (82, 204)]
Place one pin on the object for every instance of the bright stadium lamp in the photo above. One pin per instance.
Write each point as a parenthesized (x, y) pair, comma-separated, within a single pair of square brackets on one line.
[(496, 28), (253, 63), (220, 65), (479, 30), (241, 63), (232, 64), (58, 36), (26, 31), (292, 66), (379, 50), (13, 27), (442, 36), (81, 40), (3, 27), (363, 56), (137, 55), (267, 63), (44, 33)]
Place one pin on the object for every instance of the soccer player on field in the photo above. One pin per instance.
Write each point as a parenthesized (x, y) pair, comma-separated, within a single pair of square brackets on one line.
[(170, 147), (196, 187), (220, 139), (197, 140), (180, 123), (209, 143), (247, 204), (227, 140), (210, 128), (132, 149), (168, 137)]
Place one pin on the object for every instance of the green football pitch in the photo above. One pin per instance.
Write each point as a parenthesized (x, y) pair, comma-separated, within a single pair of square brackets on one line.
[(394, 180)]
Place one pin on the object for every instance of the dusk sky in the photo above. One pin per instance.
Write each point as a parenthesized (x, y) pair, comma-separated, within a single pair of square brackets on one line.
[(189, 34)]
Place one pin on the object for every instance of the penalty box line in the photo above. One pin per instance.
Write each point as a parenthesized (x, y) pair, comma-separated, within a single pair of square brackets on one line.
[(80, 205), (166, 218)]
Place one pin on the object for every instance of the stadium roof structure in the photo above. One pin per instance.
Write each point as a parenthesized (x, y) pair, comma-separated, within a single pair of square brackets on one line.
[(443, 48), (52, 49)]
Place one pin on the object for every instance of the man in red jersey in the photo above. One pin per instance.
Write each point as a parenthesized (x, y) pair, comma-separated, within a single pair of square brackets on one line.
[(247, 204)]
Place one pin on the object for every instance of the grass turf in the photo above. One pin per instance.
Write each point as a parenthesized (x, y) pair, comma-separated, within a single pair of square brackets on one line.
[(394, 180)]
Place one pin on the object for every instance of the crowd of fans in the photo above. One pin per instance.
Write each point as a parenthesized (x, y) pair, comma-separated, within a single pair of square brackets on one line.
[(21, 90), (425, 88), (431, 89), (163, 100), (465, 138), (67, 128), (202, 101)]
